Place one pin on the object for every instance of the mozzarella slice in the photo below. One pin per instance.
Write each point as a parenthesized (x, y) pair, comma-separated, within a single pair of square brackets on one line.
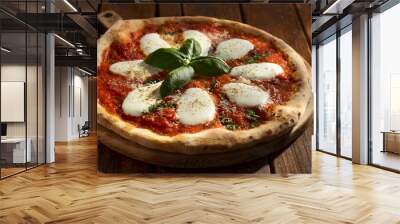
[(137, 68), (233, 48), (139, 100), (152, 42), (257, 71), (195, 106), (205, 42), (246, 95)]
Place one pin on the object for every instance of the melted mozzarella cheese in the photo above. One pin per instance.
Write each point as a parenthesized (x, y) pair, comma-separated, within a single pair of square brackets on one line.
[(246, 95), (233, 48), (204, 41), (257, 71), (139, 100), (195, 106), (137, 68), (152, 42)]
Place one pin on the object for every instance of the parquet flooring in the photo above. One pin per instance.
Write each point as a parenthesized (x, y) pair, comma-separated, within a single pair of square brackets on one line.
[(71, 191)]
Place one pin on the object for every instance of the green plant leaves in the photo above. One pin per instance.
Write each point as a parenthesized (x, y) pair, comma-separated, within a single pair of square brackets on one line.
[(176, 79), (167, 58), (209, 66), (191, 48)]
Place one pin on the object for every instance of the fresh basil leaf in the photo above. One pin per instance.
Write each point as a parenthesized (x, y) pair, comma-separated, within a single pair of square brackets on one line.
[(251, 115), (210, 66), (257, 56), (167, 58), (176, 79), (228, 123), (191, 48), (160, 105)]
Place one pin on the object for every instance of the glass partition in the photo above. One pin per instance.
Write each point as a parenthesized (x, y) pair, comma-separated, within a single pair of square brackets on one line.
[(22, 88), (15, 150)]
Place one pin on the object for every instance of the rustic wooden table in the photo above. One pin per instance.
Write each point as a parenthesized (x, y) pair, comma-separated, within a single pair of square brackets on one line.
[(290, 22)]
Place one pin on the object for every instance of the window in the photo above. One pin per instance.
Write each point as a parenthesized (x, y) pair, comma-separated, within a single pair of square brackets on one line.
[(327, 96), (385, 89), (333, 106), (346, 92)]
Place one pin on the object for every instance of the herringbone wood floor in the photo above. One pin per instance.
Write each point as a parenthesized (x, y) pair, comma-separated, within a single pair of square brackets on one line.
[(71, 191)]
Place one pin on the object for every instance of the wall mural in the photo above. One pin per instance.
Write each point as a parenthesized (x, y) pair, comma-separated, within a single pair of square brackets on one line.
[(204, 91)]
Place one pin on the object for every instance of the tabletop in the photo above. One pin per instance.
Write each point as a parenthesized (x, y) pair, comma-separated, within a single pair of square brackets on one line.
[(290, 22)]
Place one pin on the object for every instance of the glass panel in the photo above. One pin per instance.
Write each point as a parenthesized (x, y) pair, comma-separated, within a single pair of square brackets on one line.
[(13, 86), (385, 84), (327, 96), (345, 94)]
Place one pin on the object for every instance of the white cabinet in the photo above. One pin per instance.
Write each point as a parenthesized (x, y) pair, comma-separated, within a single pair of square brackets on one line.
[(17, 146)]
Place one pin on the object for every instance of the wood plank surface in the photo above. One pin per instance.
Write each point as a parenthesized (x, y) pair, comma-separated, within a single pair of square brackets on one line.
[(72, 191), (291, 23), (222, 11), (110, 161), (281, 20), (169, 9), (131, 11), (304, 13)]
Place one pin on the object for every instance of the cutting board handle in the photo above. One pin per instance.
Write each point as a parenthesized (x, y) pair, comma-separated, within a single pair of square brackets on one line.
[(108, 18)]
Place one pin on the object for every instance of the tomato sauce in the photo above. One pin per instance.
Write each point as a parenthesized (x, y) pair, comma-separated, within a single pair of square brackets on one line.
[(112, 89)]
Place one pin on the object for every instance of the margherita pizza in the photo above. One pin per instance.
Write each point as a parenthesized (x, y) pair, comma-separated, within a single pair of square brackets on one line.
[(197, 84)]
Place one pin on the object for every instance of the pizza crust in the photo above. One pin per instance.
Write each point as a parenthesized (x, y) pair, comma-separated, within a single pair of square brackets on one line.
[(218, 139)]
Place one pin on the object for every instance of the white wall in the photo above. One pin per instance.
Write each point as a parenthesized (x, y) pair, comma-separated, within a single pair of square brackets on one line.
[(12, 73), (33, 127), (71, 94), (61, 103), (16, 73)]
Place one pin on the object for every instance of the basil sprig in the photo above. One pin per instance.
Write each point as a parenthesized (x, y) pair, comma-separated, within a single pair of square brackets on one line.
[(167, 58), (209, 66), (183, 63), (191, 48), (176, 79)]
